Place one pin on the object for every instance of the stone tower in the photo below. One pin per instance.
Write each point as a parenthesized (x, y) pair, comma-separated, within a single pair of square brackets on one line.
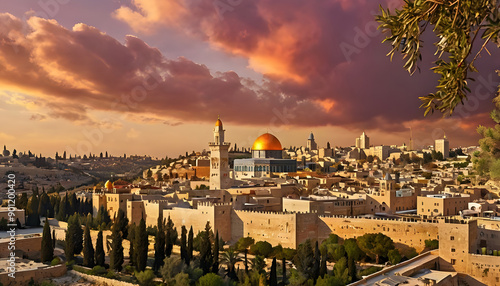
[(311, 144), (219, 159)]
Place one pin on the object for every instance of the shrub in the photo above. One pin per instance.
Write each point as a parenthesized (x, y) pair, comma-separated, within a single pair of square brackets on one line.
[(111, 274), (145, 278), (70, 264), (369, 270), (98, 270), (55, 261)]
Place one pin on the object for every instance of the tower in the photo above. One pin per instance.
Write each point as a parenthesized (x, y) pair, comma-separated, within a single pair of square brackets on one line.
[(387, 184), (311, 144), (443, 146), (219, 159), (363, 141)]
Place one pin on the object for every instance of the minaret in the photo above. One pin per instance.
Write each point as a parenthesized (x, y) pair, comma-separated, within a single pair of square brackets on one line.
[(219, 159)]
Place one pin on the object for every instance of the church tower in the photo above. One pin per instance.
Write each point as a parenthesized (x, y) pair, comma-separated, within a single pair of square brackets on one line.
[(219, 159), (311, 144)]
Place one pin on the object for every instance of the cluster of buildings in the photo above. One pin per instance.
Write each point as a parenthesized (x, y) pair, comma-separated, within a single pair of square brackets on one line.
[(273, 196)]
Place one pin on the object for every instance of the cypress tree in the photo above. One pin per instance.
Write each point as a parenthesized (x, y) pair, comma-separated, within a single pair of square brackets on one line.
[(122, 222), (206, 257), (169, 239), (78, 235), (88, 248), (33, 215), (74, 238), (61, 212), (215, 265), (351, 265), (131, 238), (184, 244), (44, 205), (159, 246), (283, 265), (47, 250), (273, 276), (116, 253), (99, 250), (189, 255), (317, 261), (322, 268), (246, 260), (141, 246), (53, 239)]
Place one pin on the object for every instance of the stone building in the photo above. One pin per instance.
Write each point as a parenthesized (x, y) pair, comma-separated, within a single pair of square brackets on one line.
[(219, 159)]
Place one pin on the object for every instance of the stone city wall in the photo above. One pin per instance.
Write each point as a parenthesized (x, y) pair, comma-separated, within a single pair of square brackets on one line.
[(24, 276)]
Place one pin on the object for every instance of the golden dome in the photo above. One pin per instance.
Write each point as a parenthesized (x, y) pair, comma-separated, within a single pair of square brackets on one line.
[(267, 141), (108, 185), (218, 122)]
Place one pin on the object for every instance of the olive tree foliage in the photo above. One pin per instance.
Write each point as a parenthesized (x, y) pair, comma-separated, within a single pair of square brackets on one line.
[(463, 28)]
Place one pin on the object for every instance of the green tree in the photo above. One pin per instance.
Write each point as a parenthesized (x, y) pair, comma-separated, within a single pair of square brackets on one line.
[(329, 281), (88, 248), (215, 265), (210, 279), (74, 237), (352, 249), (304, 259), (258, 264), (189, 254), (61, 212), (322, 269), (341, 271), (47, 249), (44, 205), (487, 160), (169, 237), (183, 246), (22, 202), (462, 28), (230, 258), (159, 246), (263, 248), (32, 211), (131, 238), (283, 270), (141, 246), (99, 250), (351, 266), (394, 256), (273, 276), (206, 257), (122, 222), (116, 253), (244, 243), (317, 261), (171, 267), (375, 244)]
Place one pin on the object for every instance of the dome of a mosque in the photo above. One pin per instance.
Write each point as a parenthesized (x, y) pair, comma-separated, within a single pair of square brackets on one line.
[(267, 141)]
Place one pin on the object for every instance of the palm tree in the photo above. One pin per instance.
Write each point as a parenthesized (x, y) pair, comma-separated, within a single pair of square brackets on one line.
[(230, 257)]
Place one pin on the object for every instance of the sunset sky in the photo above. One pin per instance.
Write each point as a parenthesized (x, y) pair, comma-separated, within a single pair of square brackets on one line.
[(151, 76)]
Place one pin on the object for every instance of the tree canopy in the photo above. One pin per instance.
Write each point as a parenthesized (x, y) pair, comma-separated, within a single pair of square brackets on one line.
[(464, 28)]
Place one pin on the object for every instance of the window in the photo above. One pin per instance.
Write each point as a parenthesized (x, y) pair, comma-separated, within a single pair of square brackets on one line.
[(453, 261), (452, 238), (453, 250)]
